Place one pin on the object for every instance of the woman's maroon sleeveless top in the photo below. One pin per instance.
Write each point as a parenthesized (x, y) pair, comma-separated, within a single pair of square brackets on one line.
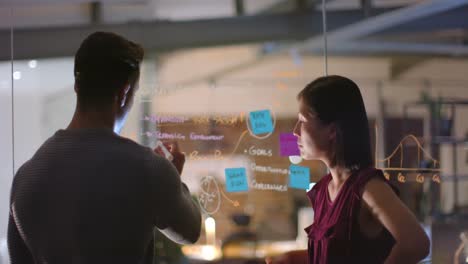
[(334, 237)]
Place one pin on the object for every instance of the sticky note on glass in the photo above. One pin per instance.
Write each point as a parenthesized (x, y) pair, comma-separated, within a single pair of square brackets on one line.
[(261, 122), (236, 180), (299, 177), (288, 145)]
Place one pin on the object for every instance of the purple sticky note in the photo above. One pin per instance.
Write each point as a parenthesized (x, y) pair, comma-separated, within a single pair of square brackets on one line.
[(288, 145)]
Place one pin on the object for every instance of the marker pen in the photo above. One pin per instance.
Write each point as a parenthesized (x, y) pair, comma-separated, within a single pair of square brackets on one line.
[(166, 152)]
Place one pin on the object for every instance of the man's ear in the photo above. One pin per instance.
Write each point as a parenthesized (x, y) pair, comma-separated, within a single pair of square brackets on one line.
[(123, 94), (75, 87)]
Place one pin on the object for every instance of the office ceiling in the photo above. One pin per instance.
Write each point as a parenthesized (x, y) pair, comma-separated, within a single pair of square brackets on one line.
[(395, 27)]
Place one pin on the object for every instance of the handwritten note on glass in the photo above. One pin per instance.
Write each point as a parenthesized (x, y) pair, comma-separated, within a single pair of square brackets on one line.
[(236, 180), (299, 177), (261, 122)]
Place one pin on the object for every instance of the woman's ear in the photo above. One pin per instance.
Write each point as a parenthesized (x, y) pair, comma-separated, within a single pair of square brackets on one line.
[(332, 131)]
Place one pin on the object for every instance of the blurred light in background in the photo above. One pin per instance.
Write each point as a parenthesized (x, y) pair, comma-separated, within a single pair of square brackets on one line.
[(32, 64), (17, 75)]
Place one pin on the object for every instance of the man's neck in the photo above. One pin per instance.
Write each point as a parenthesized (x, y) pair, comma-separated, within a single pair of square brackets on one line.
[(92, 118)]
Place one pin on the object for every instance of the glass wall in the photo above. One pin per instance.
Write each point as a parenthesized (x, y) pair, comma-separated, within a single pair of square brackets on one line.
[(6, 156), (236, 129), (232, 108)]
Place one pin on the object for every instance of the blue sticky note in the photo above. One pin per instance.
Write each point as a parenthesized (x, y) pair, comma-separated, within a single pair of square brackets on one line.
[(236, 180), (299, 177), (261, 122)]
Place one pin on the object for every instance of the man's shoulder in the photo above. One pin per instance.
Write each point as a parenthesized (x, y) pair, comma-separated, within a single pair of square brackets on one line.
[(143, 153), (111, 146), (130, 145)]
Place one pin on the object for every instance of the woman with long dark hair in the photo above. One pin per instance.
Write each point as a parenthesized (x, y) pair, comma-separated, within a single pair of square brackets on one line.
[(358, 217)]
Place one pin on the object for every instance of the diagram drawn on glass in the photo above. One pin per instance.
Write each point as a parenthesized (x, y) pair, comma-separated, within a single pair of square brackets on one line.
[(433, 170)]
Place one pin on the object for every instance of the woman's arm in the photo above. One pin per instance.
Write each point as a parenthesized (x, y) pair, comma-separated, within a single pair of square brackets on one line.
[(412, 243)]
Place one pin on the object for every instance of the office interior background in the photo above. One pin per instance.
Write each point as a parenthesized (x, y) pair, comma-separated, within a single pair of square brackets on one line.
[(209, 63)]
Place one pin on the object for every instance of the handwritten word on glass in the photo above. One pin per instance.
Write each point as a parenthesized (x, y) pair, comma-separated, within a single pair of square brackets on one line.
[(194, 136), (268, 169), (268, 186), (165, 119), (261, 122), (195, 155), (299, 177), (236, 180), (253, 151), (164, 136), (288, 145), (231, 120)]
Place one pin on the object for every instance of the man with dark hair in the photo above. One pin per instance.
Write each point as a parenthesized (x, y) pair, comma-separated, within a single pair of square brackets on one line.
[(90, 196)]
